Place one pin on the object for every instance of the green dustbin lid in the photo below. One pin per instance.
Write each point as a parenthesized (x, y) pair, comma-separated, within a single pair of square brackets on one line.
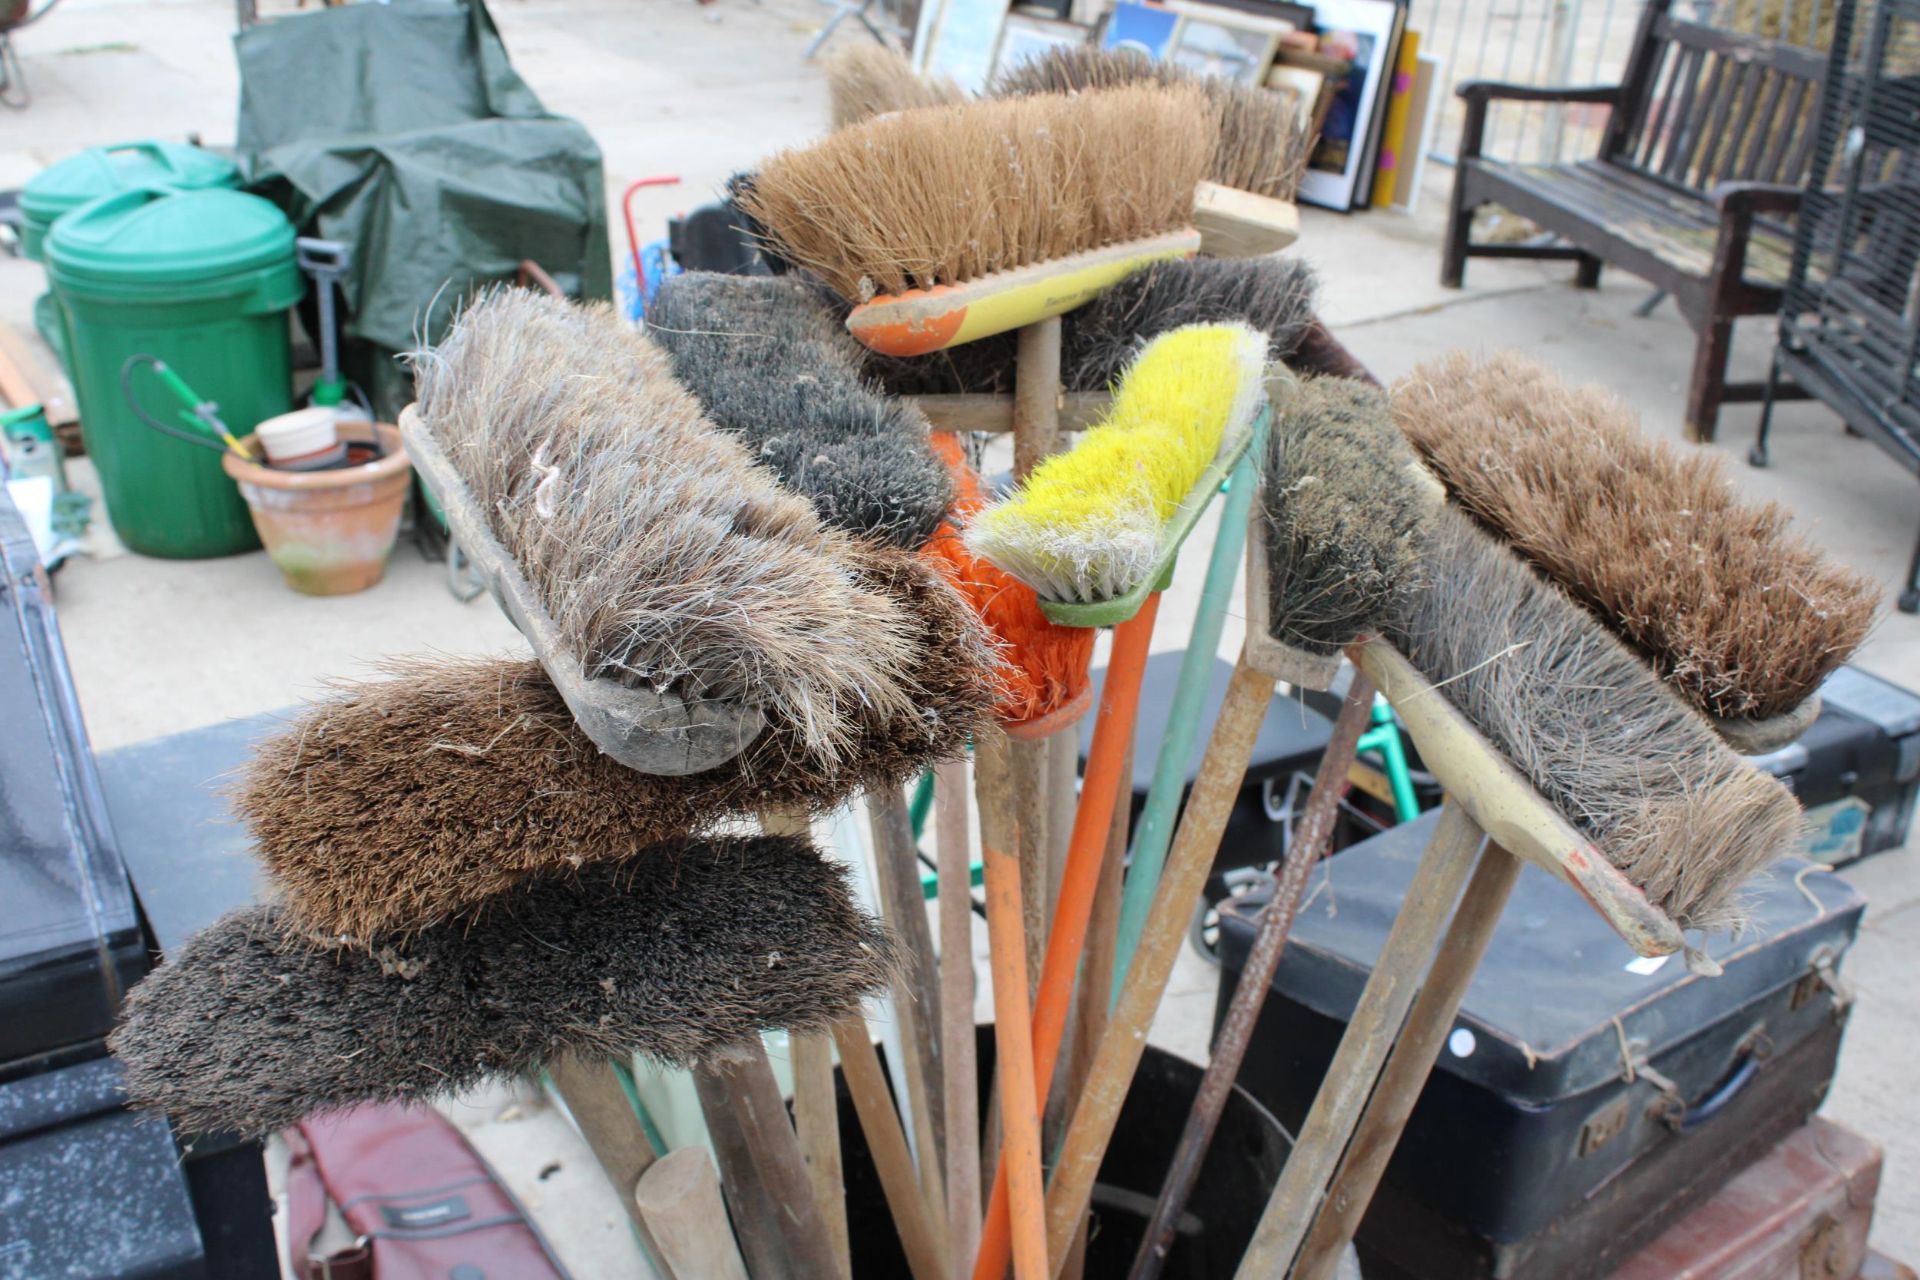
[(101, 171), (153, 236)]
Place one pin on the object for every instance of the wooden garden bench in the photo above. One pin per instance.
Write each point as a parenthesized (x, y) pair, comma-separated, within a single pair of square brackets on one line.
[(1707, 149)]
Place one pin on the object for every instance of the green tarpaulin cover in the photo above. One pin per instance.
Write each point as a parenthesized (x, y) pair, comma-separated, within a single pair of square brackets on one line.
[(403, 130)]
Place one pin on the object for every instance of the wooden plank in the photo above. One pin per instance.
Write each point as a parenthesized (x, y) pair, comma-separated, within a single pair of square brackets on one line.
[(1364, 1048), (1794, 118), (679, 1200), (1765, 121), (1240, 224), (1684, 167), (1685, 124), (1723, 127), (1410, 1063)]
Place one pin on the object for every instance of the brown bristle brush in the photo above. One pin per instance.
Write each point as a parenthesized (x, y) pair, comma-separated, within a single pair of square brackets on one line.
[(1628, 762), (662, 558), (401, 802), (1245, 208), (770, 361), (685, 951), (948, 224), (1738, 612), (867, 80)]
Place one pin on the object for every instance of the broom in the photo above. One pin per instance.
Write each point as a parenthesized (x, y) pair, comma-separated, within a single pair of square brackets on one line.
[(1245, 207), (1741, 615), (1337, 551), (868, 80), (402, 802), (1095, 532), (254, 1023), (678, 598)]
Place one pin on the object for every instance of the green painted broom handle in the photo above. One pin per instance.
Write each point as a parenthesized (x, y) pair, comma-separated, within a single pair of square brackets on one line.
[(1155, 830)]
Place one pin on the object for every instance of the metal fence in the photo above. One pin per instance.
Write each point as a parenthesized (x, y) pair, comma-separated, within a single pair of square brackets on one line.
[(1569, 42)]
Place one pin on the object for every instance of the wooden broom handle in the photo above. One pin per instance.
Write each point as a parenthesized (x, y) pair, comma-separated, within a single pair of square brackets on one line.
[(1222, 769), (1019, 1172), (598, 1103), (1311, 838), (679, 1200), (918, 1229), (962, 1082), (1112, 730)]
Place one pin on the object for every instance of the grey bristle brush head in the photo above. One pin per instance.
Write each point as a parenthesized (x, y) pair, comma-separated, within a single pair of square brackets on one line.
[(1741, 613), (1342, 515), (772, 363), (682, 952), (401, 802), (1272, 294), (1633, 767), (667, 559), (867, 80), (1263, 143)]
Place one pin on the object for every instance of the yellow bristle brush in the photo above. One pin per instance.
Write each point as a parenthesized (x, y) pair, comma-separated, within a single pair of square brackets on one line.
[(1095, 531)]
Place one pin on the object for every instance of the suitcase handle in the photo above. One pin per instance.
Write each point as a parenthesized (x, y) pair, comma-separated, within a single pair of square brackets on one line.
[(1682, 1116)]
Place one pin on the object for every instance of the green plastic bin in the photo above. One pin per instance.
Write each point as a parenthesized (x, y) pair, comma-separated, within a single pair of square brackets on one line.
[(202, 280), (105, 171)]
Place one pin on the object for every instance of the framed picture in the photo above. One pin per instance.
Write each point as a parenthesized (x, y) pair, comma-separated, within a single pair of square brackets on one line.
[(1308, 86), (962, 39), (1226, 43), (1361, 33), (1429, 86), (1025, 36), (1144, 28)]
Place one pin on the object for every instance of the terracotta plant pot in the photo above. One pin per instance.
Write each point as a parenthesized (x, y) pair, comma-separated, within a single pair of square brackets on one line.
[(329, 532)]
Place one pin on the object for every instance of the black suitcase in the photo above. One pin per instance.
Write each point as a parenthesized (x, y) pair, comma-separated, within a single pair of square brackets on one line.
[(1856, 768), (1579, 1078)]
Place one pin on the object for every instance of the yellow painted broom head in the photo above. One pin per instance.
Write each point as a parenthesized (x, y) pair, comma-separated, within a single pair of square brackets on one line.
[(1103, 519)]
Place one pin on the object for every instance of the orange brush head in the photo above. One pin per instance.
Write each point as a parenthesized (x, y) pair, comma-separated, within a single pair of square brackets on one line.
[(1045, 682)]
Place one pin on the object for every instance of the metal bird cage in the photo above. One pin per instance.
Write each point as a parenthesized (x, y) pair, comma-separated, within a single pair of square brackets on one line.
[(1850, 319)]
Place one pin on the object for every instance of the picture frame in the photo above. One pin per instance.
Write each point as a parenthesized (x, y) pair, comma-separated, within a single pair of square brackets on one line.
[(1217, 41), (1025, 36), (963, 39), (1143, 28), (1429, 89), (1336, 171)]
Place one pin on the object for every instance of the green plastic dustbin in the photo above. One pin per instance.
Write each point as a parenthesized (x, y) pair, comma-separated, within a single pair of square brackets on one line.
[(105, 171), (202, 280)]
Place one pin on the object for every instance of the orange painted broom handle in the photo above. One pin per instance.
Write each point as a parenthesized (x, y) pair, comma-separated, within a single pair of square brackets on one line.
[(1026, 1227), (1099, 793)]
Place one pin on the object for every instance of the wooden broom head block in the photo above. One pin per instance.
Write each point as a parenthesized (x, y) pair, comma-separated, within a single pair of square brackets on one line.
[(1505, 804), (1240, 224), (1263, 653), (920, 321), (993, 413), (645, 730)]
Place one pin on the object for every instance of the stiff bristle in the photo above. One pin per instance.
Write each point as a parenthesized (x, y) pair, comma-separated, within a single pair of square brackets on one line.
[(666, 558), (687, 950), (772, 364), (1046, 664), (1263, 142), (867, 80), (400, 803), (1600, 737), (1343, 516), (1741, 614), (945, 195), (1272, 294), (1089, 524)]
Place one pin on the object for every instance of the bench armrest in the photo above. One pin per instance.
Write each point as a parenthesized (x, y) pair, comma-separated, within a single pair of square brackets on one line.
[(1478, 93), (1745, 199), (1489, 90)]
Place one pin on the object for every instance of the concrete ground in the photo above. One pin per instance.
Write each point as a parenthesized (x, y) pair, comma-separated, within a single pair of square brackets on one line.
[(674, 87)]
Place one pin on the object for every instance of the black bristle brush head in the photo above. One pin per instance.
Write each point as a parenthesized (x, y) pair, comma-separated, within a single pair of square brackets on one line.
[(772, 363), (1098, 341), (681, 953), (403, 802), (1633, 767), (1342, 516)]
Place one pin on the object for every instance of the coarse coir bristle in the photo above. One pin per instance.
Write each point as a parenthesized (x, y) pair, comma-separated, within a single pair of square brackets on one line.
[(666, 558), (1628, 762), (1046, 664), (867, 80), (1272, 294), (1740, 613), (772, 364), (402, 802), (1263, 142), (1091, 524), (945, 195), (684, 951), (1342, 514)]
